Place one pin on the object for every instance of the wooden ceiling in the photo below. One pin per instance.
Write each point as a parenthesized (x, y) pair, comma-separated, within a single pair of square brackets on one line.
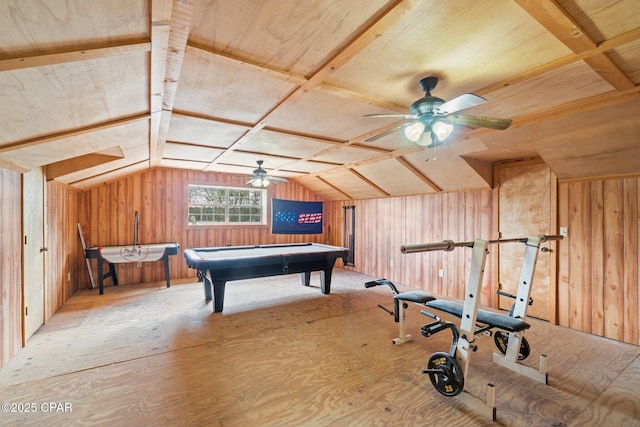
[(96, 90)]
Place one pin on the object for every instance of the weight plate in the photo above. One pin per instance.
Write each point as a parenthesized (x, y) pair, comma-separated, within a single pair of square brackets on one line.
[(502, 341), (445, 374)]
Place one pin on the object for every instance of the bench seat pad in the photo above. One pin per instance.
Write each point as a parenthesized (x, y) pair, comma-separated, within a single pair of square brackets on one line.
[(419, 297), (496, 320)]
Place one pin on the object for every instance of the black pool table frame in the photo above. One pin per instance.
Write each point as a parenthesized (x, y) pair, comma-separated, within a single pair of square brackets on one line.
[(245, 262)]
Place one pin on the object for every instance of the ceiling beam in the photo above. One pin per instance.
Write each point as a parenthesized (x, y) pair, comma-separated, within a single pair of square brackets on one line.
[(347, 195), (579, 106), (64, 56), (181, 15), (369, 182), (355, 96), (65, 167), (605, 46), (207, 53), (68, 134), (419, 174), (558, 22), (160, 33), (379, 24), (113, 174)]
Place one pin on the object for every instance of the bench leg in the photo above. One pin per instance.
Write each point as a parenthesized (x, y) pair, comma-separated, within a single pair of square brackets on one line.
[(539, 374), (487, 407), (400, 310)]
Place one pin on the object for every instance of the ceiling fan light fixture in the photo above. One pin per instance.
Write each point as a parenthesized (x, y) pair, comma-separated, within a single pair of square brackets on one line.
[(425, 139), (260, 182), (442, 130), (414, 131), (432, 118)]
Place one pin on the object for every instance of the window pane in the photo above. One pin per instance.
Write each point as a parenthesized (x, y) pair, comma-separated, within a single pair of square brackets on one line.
[(225, 205)]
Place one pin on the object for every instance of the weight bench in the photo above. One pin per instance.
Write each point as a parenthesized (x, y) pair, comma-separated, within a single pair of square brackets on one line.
[(447, 371), (489, 318), (416, 297)]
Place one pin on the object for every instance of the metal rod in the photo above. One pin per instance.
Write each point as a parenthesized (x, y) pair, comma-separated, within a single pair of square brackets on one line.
[(135, 230), (449, 245)]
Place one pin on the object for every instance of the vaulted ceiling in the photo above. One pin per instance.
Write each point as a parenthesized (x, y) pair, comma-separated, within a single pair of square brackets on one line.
[(96, 90)]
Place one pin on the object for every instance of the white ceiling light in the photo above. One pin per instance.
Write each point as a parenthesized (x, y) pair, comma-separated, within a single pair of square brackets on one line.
[(260, 182), (424, 134)]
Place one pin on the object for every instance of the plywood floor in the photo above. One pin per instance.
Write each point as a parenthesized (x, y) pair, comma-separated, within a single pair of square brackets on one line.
[(285, 355)]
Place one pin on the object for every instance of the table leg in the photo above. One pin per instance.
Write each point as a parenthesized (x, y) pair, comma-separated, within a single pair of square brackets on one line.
[(113, 274), (325, 277), (202, 277), (167, 276), (100, 275), (325, 280), (306, 278), (218, 295)]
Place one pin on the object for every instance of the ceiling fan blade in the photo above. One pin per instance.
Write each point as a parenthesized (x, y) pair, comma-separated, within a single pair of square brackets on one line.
[(385, 133), (479, 121), (466, 100), (276, 178), (400, 116)]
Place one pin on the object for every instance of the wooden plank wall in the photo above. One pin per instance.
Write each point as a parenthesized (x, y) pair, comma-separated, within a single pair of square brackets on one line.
[(599, 283), (384, 225), (63, 259), (159, 195), (10, 264)]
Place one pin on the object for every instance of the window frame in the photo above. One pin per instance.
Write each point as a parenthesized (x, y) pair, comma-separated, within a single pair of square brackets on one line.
[(264, 208)]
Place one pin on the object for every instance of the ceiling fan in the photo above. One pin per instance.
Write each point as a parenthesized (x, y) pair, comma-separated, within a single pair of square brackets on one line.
[(431, 119), (261, 179)]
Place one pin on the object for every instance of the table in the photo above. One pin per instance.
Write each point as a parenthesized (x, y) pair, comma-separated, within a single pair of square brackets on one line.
[(245, 262), (131, 253)]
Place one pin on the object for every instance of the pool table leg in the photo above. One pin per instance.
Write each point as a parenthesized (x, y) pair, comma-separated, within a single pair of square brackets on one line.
[(306, 278), (202, 277), (218, 295), (325, 280), (325, 277)]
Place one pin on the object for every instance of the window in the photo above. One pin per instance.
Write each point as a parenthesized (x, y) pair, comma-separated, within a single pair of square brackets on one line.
[(210, 205)]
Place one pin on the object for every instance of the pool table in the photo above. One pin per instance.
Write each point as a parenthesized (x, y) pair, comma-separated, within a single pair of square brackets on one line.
[(131, 253), (227, 263)]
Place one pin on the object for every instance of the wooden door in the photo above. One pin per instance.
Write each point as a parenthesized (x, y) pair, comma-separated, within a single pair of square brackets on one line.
[(34, 251), (526, 205)]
